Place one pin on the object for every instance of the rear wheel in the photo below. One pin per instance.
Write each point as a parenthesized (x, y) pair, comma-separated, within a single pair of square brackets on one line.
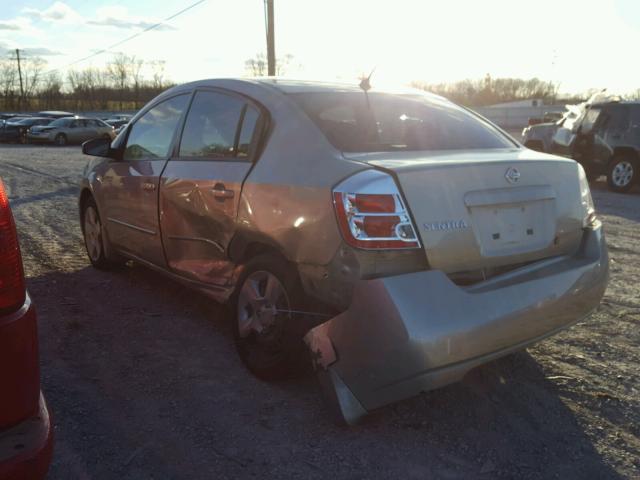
[(268, 335), (94, 240), (622, 173), (61, 139)]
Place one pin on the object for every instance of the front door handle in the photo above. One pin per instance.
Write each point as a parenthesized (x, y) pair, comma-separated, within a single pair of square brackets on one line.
[(148, 186), (221, 193)]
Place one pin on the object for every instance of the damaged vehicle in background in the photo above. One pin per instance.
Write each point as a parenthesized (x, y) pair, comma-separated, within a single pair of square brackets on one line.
[(404, 238), (17, 131), (605, 141), (540, 136)]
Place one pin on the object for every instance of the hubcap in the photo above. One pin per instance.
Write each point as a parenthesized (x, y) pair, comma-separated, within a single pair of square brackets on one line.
[(622, 174), (92, 234), (261, 303)]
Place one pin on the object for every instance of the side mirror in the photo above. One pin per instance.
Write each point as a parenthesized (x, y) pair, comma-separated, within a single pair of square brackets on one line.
[(98, 147)]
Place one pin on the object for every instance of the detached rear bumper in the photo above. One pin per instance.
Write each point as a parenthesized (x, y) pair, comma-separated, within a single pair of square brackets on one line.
[(411, 333), (26, 448)]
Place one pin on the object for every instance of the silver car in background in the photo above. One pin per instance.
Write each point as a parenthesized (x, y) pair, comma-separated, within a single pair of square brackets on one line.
[(69, 130), (398, 238)]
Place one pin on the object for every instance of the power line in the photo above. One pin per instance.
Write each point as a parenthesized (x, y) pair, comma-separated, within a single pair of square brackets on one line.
[(131, 37)]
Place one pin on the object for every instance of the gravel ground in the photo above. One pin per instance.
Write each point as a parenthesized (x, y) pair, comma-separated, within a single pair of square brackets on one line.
[(144, 382)]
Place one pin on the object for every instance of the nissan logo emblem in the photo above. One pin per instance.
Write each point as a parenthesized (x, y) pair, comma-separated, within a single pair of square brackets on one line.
[(512, 175)]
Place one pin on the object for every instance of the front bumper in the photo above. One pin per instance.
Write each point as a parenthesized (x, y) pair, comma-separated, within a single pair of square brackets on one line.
[(411, 333), (25, 449)]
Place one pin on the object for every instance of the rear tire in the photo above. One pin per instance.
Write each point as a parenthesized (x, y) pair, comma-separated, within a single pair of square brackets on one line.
[(61, 140), (622, 173), (269, 340), (94, 239)]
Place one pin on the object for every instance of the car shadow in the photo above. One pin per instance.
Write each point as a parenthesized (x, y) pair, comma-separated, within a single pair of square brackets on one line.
[(626, 205), (143, 381)]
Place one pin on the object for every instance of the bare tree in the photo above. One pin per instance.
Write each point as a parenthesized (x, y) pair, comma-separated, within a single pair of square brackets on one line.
[(490, 90), (257, 66), (8, 75), (283, 64), (157, 67), (51, 90), (120, 70), (136, 74), (32, 68)]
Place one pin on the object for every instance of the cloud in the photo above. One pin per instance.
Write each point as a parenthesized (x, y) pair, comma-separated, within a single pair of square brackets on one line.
[(7, 48), (118, 23), (16, 24), (40, 51), (59, 12), (119, 17), (9, 25)]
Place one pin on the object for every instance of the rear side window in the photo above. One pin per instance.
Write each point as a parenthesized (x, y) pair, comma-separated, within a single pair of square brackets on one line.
[(211, 126), (249, 122), (380, 122), (590, 119), (150, 137)]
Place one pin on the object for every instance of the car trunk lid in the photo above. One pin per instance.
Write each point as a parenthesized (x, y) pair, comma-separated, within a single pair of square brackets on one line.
[(488, 209)]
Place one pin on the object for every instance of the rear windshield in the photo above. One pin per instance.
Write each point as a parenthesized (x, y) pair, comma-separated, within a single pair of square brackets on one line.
[(382, 122)]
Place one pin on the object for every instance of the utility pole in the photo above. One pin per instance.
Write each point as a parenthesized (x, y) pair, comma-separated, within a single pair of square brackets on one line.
[(20, 75), (271, 41)]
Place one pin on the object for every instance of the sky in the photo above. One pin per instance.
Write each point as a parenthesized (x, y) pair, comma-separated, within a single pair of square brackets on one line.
[(578, 44)]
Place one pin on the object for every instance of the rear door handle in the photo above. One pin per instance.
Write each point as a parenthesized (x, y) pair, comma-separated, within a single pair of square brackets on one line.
[(148, 186), (220, 192)]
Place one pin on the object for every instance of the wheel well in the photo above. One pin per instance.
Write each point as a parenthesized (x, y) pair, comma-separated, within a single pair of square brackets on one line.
[(623, 151), (84, 196), (254, 249)]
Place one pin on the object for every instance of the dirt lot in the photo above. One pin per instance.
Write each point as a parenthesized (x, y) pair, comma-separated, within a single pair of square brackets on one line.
[(144, 381)]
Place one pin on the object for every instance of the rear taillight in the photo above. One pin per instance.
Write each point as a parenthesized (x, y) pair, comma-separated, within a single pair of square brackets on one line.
[(12, 288), (372, 213)]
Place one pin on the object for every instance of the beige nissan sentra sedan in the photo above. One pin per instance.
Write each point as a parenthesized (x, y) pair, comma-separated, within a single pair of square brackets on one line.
[(401, 239)]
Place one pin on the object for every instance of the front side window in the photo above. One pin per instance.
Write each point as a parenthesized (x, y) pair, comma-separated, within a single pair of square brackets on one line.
[(380, 122), (211, 126), (619, 119), (151, 136)]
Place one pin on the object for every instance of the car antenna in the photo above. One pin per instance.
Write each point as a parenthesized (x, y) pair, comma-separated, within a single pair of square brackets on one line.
[(365, 85)]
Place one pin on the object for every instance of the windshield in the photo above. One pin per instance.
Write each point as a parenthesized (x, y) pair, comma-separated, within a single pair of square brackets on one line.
[(61, 122), (386, 122)]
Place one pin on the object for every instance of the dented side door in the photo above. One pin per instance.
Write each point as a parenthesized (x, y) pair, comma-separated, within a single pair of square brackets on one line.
[(200, 187)]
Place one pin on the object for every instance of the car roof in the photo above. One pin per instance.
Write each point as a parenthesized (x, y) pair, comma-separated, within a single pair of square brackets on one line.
[(35, 118), (55, 112), (625, 102), (77, 117), (289, 86)]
